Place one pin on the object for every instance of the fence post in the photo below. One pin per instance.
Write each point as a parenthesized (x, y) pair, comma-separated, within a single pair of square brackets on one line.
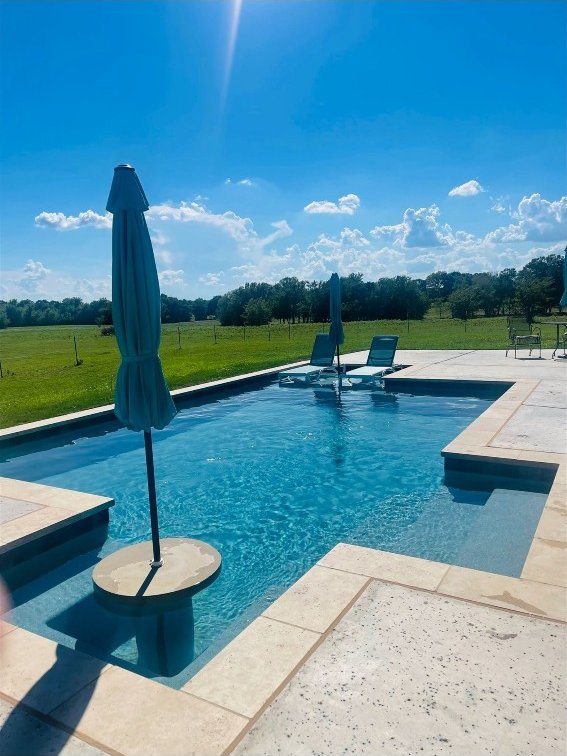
[(75, 345), (269, 337), (289, 331), (178, 336), (1, 373)]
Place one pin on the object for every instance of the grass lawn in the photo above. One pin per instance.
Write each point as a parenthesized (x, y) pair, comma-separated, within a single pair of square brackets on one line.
[(41, 379)]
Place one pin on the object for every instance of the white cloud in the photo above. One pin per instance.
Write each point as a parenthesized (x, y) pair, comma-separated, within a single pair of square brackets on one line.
[(241, 182), (212, 279), (419, 228), (499, 206), (171, 277), (468, 189), (541, 220), (163, 256), (538, 220), (418, 244), (62, 222), (193, 212), (89, 289), (30, 279), (159, 240), (346, 205), (350, 252), (34, 270), (35, 281)]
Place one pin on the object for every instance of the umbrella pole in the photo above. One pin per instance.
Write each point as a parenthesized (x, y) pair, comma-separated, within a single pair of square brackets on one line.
[(339, 365), (157, 560)]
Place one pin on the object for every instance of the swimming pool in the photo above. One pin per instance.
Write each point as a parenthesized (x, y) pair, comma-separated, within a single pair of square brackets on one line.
[(273, 478)]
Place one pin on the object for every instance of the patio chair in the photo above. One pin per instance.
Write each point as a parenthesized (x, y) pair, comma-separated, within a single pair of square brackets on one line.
[(521, 333), (380, 360), (322, 357)]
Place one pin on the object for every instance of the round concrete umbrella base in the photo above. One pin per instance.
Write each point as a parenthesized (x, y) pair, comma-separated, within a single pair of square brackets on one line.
[(128, 578)]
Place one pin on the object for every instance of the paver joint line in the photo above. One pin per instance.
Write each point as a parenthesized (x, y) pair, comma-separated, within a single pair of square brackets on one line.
[(213, 703), (291, 675), (47, 719)]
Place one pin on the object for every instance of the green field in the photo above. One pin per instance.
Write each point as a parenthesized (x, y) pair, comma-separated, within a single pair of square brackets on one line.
[(40, 377)]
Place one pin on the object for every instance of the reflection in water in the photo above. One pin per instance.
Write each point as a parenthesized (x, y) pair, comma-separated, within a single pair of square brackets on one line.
[(341, 430), (331, 398), (164, 638), (381, 398)]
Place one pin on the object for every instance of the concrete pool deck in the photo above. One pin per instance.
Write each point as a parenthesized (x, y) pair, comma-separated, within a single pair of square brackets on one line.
[(369, 651)]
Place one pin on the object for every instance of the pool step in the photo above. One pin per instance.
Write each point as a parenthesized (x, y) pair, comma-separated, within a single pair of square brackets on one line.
[(502, 534)]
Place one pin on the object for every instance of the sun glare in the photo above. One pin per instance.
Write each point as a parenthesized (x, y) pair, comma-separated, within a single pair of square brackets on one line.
[(236, 8)]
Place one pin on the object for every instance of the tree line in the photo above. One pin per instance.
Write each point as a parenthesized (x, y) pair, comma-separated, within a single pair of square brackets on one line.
[(535, 289)]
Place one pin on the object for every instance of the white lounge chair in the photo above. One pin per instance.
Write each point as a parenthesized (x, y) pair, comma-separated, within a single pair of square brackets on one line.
[(380, 360), (322, 357)]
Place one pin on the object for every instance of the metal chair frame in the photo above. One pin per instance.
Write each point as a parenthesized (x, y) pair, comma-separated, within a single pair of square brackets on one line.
[(523, 333)]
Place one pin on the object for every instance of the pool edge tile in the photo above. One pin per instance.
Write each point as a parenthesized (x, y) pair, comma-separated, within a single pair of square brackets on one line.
[(546, 562), (98, 712), (42, 674), (514, 594), (385, 565), (248, 672), (316, 600)]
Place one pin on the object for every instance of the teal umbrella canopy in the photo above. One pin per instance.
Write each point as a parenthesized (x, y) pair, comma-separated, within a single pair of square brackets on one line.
[(336, 331), (563, 302), (142, 399)]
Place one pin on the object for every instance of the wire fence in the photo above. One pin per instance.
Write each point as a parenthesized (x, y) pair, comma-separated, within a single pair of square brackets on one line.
[(37, 351)]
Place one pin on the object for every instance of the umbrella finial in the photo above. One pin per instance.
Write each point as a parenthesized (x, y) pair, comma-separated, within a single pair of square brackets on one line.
[(126, 192)]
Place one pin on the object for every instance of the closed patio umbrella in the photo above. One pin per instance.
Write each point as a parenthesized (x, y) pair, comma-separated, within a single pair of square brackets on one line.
[(563, 302), (142, 399), (336, 331)]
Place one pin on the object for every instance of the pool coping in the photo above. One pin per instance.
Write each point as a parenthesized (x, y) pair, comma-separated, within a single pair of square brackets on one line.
[(107, 411), (57, 509), (218, 706)]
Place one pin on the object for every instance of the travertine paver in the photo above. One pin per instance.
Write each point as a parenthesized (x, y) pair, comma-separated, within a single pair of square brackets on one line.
[(406, 672), (12, 508), (553, 523), (547, 562), (244, 675), (532, 597), (34, 510), (535, 427), (317, 598), (549, 394), (41, 673), (133, 715), (396, 567), (21, 734)]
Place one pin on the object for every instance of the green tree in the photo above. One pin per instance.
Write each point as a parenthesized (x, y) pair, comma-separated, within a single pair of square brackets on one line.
[(257, 312), (548, 268), (534, 294), (464, 302), (289, 295)]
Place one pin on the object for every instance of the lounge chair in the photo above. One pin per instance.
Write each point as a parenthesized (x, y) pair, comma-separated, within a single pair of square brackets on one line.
[(380, 360), (522, 334), (322, 357)]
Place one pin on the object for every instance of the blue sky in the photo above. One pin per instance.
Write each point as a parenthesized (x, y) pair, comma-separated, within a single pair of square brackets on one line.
[(281, 138)]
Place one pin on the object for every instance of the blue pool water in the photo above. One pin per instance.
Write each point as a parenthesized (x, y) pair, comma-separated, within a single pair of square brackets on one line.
[(273, 478)]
